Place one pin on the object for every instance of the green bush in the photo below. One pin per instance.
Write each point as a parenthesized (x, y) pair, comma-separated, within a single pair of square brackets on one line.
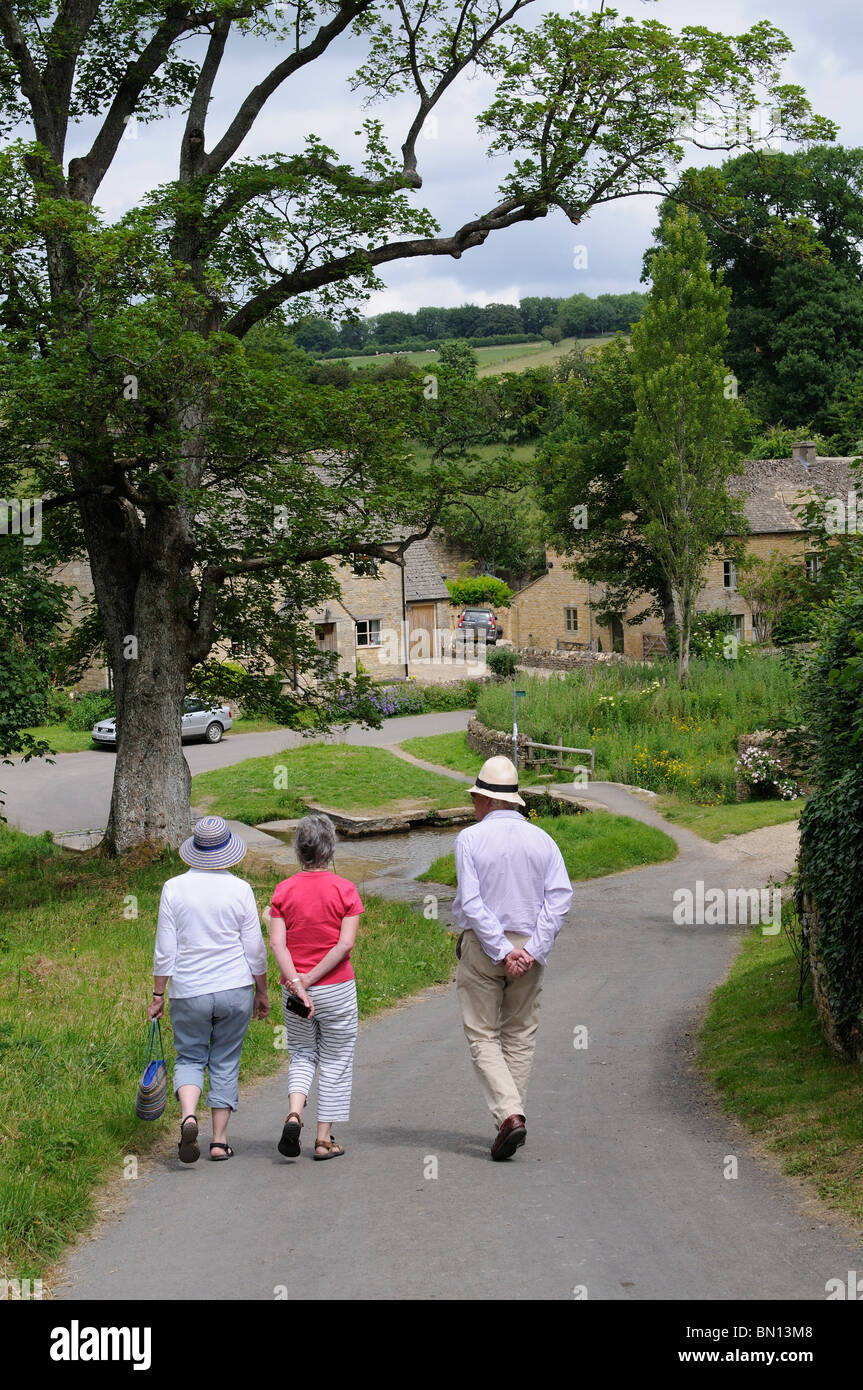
[(831, 843), (502, 662), (58, 706), (88, 709), (480, 592), (439, 699)]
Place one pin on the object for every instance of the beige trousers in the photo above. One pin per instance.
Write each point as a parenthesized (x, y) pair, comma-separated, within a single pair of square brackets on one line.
[(500, 1013)]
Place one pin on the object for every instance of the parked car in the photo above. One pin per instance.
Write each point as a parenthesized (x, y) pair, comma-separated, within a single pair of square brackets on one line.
[(200, 720), (481, 622)]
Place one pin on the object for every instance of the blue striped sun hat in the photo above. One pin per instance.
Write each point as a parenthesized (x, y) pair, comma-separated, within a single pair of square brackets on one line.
[(213, 845)]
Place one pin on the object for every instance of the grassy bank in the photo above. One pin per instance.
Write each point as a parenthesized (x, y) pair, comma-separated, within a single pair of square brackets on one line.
[(649, 731), (714, 822), (775, 1073), (592, 844), (341, 776), (74, 986)]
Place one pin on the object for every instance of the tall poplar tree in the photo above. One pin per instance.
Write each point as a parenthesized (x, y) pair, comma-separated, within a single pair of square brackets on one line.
[(688, 420)]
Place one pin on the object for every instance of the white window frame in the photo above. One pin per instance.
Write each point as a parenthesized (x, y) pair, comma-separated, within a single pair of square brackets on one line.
[(739, 626), (729, 574), (813, 567), (570, 619), (372, 639)]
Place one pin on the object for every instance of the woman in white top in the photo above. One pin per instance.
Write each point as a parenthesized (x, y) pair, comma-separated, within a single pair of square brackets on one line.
[(209, 944)]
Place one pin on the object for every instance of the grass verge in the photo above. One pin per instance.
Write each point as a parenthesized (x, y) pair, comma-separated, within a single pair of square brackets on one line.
[(714, 822), (76, 947), (774, 1072), (65, 740), (592, 844), (341, 776)]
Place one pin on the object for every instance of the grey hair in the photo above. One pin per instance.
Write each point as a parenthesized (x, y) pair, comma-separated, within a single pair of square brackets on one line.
[(315, 840)]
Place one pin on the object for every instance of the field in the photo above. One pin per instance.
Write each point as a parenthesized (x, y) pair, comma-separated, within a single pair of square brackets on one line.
[(512, 357)]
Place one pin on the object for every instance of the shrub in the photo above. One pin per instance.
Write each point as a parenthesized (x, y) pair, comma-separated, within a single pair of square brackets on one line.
[(473, 593), (457, 695), (58, 705), (89, 708), (502, 662)]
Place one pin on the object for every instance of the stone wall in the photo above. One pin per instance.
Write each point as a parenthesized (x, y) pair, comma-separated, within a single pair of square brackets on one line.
[(492, 743), (773, 741), (567, 661)]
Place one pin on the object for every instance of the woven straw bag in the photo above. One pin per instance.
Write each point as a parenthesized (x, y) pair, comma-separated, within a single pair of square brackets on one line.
[(152, 1094)]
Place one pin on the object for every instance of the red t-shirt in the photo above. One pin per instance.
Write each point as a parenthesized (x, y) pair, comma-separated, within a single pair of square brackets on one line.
[(313, 904)]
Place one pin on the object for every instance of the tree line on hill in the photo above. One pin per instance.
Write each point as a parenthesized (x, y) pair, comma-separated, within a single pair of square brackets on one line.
[(575, 316)]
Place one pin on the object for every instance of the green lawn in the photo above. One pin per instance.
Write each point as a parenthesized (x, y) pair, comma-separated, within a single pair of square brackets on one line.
[(592, 844), (775, 1073), (74, 986), (65, 740), (713, 822), (447, 750), (341, 776)]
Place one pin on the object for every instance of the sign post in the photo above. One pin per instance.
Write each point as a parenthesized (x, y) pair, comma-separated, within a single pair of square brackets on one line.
[(516, 696)]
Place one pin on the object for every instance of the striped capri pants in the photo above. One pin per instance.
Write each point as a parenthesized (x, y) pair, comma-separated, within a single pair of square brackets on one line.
[(324, 1044)]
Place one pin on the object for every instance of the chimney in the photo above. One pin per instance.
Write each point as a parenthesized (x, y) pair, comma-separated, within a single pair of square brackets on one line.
[(803, 453)]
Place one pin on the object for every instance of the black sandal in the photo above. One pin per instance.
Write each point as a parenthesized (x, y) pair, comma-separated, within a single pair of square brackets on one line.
[(187, 1149), (223, 1158), (289, 1144)]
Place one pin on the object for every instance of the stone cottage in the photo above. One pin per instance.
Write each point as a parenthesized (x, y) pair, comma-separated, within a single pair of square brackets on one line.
[(556, 611)]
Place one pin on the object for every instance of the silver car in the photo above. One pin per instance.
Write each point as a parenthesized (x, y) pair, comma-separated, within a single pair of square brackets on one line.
[(200, 720)]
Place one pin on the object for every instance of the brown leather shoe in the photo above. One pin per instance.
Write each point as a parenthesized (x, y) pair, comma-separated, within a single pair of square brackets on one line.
[(510, 1137)]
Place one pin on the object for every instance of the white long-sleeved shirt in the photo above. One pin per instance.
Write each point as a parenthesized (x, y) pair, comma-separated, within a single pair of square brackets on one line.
[(511, 878), (209, 935)]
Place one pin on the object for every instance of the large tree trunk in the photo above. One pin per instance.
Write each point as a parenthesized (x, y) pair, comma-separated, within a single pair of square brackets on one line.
[(144, 586), (150, 800)]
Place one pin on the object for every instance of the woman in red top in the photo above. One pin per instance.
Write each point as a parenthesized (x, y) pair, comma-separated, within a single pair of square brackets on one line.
[(313, 925)]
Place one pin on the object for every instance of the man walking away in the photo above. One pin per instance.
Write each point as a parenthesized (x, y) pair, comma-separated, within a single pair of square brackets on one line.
[(513, 894)]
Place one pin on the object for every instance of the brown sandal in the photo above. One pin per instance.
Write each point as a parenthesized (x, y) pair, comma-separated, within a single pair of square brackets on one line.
[(187, 1149), (289, 1144), (333, 1149)]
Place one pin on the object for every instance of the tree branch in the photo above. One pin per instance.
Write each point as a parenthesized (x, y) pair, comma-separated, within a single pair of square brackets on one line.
[(248, 111), (31, 80), (473, 233)]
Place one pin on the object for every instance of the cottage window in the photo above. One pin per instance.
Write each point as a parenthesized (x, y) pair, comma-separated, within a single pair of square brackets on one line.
[(369, 632), (571, 619), (729, 574), (738, 626), (813, 568)]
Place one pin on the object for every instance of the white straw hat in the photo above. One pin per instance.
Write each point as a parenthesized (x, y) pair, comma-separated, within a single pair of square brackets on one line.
[(498, 779), (212, 846)]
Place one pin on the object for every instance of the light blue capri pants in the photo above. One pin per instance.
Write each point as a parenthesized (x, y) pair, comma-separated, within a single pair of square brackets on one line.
[(209, 1031)]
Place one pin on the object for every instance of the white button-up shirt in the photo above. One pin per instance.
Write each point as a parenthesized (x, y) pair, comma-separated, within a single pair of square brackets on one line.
[(209, 934), (511, 878)]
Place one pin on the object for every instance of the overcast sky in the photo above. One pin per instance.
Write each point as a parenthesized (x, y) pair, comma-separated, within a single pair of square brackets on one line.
[(459, 179)]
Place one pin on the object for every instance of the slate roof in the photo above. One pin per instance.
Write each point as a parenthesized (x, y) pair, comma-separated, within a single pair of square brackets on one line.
[(423, 582), (771, 487)]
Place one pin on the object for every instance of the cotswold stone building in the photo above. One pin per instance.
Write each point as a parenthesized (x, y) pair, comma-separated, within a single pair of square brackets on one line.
[(382, 620), (556, 611), (387, 621)]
